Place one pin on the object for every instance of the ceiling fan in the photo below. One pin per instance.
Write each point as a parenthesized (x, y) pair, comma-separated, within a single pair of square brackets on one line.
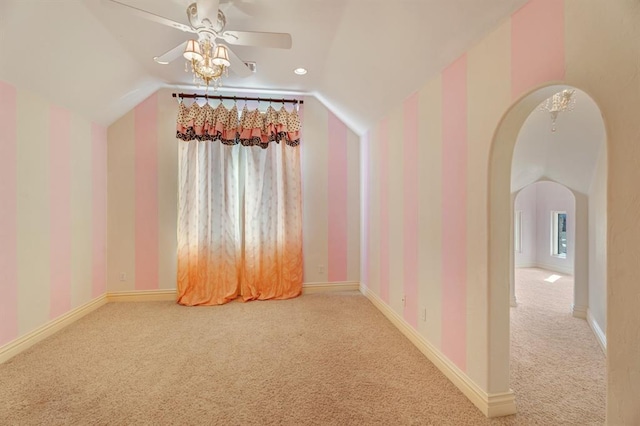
[(208, 22)]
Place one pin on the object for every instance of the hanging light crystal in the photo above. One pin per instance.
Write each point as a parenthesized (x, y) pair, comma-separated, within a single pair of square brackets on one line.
[(207, 67), (563, 101)]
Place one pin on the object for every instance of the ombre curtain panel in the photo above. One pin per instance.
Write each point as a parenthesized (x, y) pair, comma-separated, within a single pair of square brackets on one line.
[(272, 262), (209, 247), (239, 221)]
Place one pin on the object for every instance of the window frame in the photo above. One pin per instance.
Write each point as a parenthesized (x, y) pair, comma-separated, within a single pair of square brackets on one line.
[(555, 234), (517, 231)]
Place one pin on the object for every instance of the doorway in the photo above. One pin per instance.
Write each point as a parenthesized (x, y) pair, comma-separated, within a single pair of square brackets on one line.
[(544, 235), (542, 157)]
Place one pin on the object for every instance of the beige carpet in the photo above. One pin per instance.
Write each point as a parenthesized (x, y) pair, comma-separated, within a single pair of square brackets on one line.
[(557, 366), (329, 359)]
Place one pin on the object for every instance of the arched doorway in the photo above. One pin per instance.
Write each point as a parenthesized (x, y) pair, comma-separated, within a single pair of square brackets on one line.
[(500, 246), (544, 239)]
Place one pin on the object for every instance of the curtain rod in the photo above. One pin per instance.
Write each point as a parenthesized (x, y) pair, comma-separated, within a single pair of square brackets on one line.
[(237, 98)]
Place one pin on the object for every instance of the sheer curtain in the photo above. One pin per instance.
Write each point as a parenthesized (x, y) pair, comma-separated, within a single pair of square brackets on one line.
[(239, 206)]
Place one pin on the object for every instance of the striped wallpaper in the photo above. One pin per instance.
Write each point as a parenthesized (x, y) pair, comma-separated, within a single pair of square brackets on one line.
[(424, 183), (416, 183), (142, 182), (52, 220)]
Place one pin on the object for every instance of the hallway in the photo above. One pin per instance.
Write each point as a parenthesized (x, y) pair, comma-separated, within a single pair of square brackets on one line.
[(557, 366)]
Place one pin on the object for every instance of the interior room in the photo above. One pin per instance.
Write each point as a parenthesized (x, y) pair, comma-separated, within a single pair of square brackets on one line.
[(318, 212), (558, 186)]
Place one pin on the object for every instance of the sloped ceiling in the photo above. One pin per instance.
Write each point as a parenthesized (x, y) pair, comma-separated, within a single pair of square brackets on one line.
[(568, 155), (61, 51), (363, 56)]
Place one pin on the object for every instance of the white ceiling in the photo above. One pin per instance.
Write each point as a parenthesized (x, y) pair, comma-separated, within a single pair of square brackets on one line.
[(363, 56), (568, 155)]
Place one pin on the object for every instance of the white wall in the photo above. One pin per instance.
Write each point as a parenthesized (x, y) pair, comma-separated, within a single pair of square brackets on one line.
[(526, 203), (598, 243), (536, 202), (554, 197)]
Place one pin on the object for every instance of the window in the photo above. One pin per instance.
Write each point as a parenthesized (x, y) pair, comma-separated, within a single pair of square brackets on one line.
[(559, 234), (517, 231)]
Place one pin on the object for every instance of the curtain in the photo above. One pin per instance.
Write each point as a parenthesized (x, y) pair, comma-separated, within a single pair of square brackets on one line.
[(208, 224), (272, 266), (239, 205)]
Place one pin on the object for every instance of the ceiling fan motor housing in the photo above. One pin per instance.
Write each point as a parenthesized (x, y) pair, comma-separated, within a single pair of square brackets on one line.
[(203, 24)]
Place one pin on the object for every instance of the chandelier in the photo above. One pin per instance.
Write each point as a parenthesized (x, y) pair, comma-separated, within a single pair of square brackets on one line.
[(559, 102), (209, 62)]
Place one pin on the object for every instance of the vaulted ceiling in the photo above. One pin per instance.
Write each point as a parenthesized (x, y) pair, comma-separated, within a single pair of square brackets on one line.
[(568, 155), (362, 55)]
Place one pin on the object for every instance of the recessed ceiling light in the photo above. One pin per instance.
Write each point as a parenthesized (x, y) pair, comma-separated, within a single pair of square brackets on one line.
[(300, 71)]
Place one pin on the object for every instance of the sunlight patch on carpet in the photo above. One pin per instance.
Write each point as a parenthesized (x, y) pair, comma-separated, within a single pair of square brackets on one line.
[(553, 278)]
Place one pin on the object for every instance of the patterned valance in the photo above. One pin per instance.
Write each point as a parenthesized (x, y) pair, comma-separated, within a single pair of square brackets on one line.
[(205, 123)]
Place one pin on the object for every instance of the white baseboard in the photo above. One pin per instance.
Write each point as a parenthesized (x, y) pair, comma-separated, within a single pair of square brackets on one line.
[(554, 268), (547, 267), (526, 265), (491, 405), (23, 343), (310, 288), (142, 296), (600, 336), (579, 311)]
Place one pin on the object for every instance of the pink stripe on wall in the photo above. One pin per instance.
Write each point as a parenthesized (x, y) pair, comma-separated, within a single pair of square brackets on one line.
[(454, 211), (337, 202), (8, 214), (146, 193), (537, 45), (60, 210), (410, 224), (99, 208), (384, 210)]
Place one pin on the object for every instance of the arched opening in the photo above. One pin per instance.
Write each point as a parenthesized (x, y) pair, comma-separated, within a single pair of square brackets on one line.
[(505, 182), (544, 243)]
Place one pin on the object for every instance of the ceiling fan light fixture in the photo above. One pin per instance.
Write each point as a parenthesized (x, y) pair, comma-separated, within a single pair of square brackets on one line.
[(192, 52), (221, 56), (563, 101), (207, 61), (205, 69), (300, 71)]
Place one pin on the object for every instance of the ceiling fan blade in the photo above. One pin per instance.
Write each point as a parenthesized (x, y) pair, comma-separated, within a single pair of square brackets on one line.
[(171, 55), (208, 9), (250, 38), (237, 65), (151, 16)]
